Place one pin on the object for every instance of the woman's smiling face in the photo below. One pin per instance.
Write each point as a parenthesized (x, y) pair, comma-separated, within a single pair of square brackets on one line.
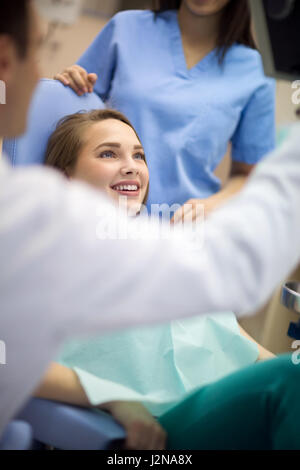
[(112, 159)]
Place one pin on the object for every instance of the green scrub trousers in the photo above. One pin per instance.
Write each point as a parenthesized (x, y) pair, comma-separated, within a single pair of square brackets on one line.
[(257, 407)]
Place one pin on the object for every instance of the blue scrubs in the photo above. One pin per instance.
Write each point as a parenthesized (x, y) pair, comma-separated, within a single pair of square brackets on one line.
[(185, 118)]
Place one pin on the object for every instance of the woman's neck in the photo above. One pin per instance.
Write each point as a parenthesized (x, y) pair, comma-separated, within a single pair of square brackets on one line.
[(196, 29)]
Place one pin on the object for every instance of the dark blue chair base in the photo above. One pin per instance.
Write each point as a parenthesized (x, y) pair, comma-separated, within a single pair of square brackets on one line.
[(17, 436), (70, 427)]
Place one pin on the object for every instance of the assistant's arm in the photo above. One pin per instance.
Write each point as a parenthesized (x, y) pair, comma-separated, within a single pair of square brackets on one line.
[(239, 174), (238, 178)]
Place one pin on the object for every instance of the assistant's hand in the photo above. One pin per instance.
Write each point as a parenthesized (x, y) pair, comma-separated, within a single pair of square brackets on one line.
[(143, 431), (196, 209), (78, 79)]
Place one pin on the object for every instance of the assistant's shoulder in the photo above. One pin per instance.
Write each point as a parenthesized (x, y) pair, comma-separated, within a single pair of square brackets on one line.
[(247, 61), (243, 54), (133, 17)]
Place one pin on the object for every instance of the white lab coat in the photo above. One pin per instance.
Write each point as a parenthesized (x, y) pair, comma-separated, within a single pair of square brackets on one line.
[(58, 279)]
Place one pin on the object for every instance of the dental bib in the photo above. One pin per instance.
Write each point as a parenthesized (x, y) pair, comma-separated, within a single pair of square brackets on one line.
[(158, 366)]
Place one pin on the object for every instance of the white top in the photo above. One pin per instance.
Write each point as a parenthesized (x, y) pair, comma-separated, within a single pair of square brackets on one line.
[(59, 279)]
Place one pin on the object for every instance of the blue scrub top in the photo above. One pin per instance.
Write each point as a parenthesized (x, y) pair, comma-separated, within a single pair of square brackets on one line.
[(185, 117)]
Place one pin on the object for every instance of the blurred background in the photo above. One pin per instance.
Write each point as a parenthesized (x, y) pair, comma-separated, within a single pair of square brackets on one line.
[(67, 43)]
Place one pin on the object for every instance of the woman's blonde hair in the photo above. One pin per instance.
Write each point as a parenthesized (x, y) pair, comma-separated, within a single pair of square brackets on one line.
[(66, 141)]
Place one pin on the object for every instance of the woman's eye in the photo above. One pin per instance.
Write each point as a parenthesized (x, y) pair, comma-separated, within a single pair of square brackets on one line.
[(139, 156), (107, 154)]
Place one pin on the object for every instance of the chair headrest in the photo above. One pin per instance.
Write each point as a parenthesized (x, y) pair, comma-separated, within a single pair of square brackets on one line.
[(51, 102)]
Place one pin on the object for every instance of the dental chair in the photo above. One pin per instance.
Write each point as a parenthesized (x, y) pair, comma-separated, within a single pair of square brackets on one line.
[(56, 424), (17, 436)]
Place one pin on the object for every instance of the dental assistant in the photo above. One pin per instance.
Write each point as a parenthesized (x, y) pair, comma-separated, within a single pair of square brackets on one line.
[(190, 80)]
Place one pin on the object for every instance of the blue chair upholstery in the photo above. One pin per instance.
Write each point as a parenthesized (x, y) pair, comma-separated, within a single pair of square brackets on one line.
[(50, 103), (17, 436), (71, 427), (56, 424)]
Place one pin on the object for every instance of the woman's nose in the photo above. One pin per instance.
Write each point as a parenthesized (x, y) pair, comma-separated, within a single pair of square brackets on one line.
[(129, 170)]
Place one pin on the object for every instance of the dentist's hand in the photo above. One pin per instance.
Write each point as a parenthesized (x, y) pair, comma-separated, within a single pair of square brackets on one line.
[(78, 79), (143, 431)]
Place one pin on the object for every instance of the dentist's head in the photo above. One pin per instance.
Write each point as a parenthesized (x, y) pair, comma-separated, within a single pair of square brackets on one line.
[(20, 38), (101, 148)]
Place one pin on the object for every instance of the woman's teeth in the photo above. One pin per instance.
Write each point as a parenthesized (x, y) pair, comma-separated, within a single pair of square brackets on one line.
[(126, 188)]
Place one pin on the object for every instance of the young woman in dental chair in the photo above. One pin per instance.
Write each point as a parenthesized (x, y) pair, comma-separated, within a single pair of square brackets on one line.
[(251, 407)]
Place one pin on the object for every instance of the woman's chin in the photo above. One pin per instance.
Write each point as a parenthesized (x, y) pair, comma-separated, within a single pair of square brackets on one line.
[(201, 8), (132, 205), (133, 208)]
